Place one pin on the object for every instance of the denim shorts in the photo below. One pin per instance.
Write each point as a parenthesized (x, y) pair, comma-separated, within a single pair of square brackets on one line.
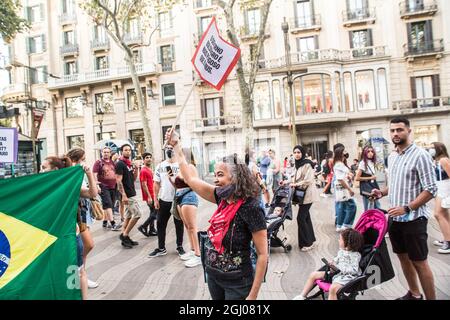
[(186, 197), (79, 251)]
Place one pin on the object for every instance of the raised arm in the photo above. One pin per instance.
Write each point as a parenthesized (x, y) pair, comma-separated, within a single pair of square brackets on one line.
[(202, 188)]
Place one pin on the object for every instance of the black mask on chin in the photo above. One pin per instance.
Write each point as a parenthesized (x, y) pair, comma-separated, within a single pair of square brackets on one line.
[(169, 153), (346, 155), (226, 191)]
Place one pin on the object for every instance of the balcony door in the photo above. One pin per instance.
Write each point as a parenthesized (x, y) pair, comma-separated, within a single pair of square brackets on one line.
[(420, 36), (357, 9), (304, 13), (425, 88), (306, 48), (414, 5), (212, 111)]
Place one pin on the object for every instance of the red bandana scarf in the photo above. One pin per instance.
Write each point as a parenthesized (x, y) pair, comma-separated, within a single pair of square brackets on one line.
[(127, 161), (220, 222)]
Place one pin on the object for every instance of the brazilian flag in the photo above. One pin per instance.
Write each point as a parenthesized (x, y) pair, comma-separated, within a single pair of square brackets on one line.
[(38, 253)]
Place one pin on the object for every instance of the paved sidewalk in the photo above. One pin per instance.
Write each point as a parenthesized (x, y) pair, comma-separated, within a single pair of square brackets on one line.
[(130, 274)]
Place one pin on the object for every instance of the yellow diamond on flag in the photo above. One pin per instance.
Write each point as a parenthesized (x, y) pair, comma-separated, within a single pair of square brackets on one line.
[(23, 243)]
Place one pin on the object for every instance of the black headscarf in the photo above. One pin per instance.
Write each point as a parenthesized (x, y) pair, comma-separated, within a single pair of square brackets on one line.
[(300, 163)]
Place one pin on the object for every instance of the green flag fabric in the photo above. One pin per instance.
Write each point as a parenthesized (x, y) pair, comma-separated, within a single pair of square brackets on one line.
[(38, 253)]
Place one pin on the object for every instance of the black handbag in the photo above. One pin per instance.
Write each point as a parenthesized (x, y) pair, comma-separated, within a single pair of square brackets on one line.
[(366, 187), (298, 196)]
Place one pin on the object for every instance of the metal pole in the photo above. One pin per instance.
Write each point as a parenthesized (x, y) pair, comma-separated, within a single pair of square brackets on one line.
[(285, 28)]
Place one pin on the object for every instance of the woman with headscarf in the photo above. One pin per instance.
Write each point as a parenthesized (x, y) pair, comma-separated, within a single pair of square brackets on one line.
[(303, 182)]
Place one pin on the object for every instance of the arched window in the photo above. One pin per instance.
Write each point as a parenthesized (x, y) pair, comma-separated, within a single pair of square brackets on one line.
[(337, 88), (365, 90), (348, 92), (277, 106), (314, 92), (262, 101)]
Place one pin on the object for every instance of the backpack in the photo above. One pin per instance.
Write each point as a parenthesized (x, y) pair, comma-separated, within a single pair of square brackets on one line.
[(326, 169)]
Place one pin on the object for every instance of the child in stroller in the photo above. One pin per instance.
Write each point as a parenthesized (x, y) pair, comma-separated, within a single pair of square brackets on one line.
[(343, 268), (374, 262), (279, 210)]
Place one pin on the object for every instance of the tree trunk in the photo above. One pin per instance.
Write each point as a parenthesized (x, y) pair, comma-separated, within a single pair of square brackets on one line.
[(141, 103)]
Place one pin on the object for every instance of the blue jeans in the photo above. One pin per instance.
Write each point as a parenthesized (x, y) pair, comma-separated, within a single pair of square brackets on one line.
[(221, 289), (366, 204), (345, 213)]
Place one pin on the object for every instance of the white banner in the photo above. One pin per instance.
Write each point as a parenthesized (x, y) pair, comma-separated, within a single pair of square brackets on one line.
[(214, 58), (8, 145)]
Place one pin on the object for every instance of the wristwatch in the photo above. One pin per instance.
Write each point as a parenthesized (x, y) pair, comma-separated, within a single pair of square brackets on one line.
[(407, 209)]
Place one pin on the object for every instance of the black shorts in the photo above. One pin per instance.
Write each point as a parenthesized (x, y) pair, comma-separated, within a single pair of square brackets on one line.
[(108, 197), (411, 238)]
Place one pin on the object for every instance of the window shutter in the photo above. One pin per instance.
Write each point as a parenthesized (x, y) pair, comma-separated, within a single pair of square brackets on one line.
[(44, 69), (369, 37), (28, 14), (171, 19), (350, 35), (413, 91), (316, 42), (172, 52), (158, 53), (436, 89), (199, 27), (222, 111), (203, 111), (42, 12), (428, 35), (247, 27), (409, 31), (44, 44), (27, 43), (295, 13)]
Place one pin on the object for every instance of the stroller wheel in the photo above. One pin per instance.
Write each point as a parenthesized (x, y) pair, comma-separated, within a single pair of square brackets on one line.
[(288, 248)]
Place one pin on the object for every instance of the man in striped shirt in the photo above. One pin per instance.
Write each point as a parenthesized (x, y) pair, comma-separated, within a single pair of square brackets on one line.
[(412, 183)]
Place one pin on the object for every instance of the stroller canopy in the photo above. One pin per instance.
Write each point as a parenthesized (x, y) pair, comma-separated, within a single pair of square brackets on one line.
[(374, 219)]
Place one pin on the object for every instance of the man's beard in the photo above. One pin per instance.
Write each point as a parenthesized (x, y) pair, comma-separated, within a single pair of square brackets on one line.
[(402, 141)]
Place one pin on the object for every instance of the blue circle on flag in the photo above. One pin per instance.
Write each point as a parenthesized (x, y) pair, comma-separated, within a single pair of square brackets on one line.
[(5, 253)]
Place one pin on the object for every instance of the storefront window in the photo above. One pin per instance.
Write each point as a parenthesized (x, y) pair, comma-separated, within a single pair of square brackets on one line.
[(297, 95), (276, 89), (365, 90), (75, 142), (425, 135), (316, 93), (137, 136), (337, 85), (261, 100), (348, 92), (74, 107), (382, 89)]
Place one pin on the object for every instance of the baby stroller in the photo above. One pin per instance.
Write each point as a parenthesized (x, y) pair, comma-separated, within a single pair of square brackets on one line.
[(375, 262), (282, 198)]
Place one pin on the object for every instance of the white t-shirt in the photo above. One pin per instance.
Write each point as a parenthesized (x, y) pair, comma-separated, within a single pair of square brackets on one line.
[(341, 173), (167, 190), (370, 167)]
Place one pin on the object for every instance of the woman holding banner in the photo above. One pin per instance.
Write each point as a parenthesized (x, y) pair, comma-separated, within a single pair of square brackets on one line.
[(237, 221)]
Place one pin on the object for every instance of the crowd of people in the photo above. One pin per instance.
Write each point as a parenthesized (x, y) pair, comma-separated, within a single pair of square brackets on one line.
[(243, 192)]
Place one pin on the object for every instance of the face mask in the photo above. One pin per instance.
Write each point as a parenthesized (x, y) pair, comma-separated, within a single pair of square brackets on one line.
[(169, 153), (346, 155), (432, 152), (226, 191)]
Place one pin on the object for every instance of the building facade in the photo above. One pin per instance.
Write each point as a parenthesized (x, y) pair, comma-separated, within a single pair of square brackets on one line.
[(355, 63)]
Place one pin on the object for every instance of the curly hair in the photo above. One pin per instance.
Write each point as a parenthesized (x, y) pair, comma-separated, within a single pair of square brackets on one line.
[(353, 240), (242, 178), (60, 163)]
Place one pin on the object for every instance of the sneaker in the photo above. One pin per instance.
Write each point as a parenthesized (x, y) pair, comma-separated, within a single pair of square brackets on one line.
[(299, 297), (105, 225), (121, 237), (409, 296), (143, 230), (157, 252), (323, 195), (180, 251), (187, 256), (339, 229), (445, 248), (153, 232), (127, 245), (116, 227), (128, 239), (92, 284), (438, 243), (193, 262)]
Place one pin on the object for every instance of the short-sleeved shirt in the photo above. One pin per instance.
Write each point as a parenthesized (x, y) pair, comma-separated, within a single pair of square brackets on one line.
[(106, 173), (370, 169), (127, 178), (146, 176), (410, 173), (248, 219), (167, 190)]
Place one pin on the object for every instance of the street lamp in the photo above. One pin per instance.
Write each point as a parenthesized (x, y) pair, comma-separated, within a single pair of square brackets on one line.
[(285, 28)]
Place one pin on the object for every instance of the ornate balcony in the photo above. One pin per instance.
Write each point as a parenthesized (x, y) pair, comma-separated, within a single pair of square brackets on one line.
[(251, 33), (17, 92), (100, 44), (67, 18), (217, 123), (426, 48), (358, 16), (69, 49), (131, 38), (432, 104), (305, 24), (419, 9)]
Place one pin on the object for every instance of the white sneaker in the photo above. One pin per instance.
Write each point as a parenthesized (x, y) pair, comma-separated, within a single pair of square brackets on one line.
[(299, 297), (187, 256), (193, 262), (339, 229), (445, 249), (92, 284), (438, 243), (323, 195)]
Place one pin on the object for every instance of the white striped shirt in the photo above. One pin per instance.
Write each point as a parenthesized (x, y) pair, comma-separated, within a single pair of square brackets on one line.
[(410, 173)]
